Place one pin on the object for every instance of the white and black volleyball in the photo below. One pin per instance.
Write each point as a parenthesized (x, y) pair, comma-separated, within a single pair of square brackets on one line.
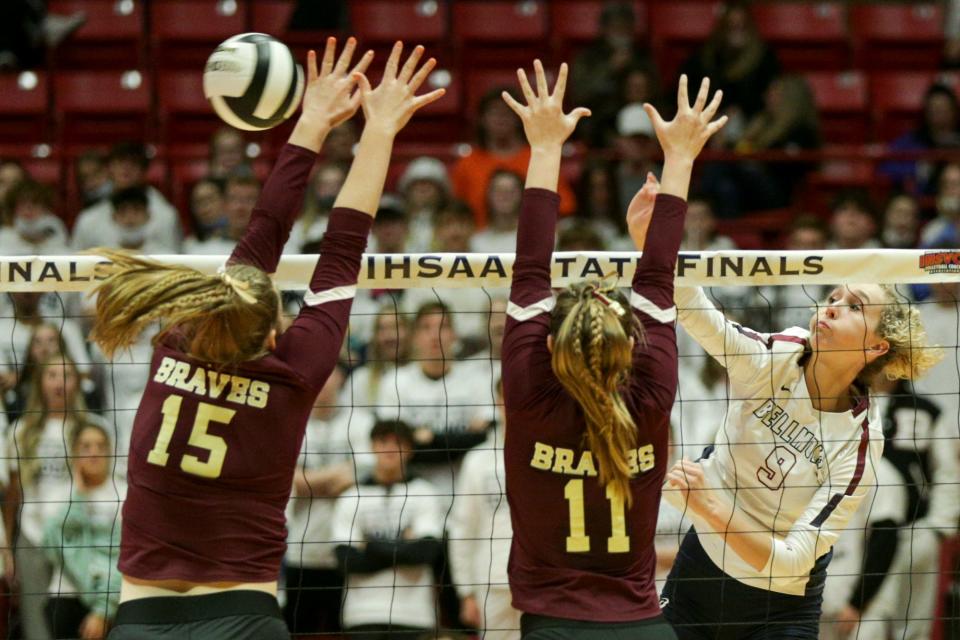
[(253, 82)]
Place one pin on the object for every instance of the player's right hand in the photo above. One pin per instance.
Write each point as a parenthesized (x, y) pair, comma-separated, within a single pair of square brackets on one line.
[(544, 122), (683, 137)]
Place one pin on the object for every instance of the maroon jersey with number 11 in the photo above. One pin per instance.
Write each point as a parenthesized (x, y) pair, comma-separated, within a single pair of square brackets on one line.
[(214, 448), (579, 553)]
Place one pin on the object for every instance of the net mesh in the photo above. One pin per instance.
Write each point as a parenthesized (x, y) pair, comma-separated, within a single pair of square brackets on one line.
[(424, 348)]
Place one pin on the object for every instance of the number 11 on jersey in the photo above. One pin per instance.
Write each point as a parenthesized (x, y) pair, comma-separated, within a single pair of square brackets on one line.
[(578, 541)]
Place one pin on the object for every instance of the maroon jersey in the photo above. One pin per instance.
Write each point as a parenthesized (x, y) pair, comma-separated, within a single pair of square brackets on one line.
[(578, 553), (214, 448)]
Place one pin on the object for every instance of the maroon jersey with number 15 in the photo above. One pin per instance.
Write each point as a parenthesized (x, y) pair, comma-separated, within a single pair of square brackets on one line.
[(214, 448), (579, 553)]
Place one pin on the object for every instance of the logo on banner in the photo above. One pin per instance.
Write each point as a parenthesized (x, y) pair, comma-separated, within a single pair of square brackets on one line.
[(941, 262)]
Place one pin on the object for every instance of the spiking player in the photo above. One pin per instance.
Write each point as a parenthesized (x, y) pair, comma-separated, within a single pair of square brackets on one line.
[(791, 463), (588, 394), (219, 429)]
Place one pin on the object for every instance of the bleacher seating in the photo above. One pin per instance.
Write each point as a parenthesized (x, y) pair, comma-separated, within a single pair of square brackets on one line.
[(842, 102), (24, 107), (897, 36), (868, 64), (110, 38), (185, 32), (677, 29), (807, 36), (102, 107)]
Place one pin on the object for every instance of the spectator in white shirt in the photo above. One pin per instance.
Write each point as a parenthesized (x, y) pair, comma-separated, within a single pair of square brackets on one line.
[(425, 185), (389, 528), (127, 166)]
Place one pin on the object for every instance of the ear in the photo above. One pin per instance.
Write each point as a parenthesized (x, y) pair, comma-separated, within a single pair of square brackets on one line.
[(877, 350), (550, 343), (270, 342)]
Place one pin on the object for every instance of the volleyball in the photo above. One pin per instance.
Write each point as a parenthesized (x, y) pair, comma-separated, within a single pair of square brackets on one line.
[(253, 82)]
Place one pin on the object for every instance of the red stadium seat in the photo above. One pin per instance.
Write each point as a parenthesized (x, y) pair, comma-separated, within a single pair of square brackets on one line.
[(897, 100), (24, 107), (806, 36), (479, 83), (102, 107), (841, 99), (677, 29), (271, 16), (897, 36), (386, 21), (111, 38), (185, 32), (499, 34), (183, 111), (574, 23)]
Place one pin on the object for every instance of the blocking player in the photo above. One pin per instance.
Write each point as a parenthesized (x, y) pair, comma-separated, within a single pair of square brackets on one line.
[(589, 380), (218, 431)]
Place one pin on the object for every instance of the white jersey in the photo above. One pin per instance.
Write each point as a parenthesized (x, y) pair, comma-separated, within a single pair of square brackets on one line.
[(402, 595), (479, 526), (451, 403), (343, 438), (797, 472)]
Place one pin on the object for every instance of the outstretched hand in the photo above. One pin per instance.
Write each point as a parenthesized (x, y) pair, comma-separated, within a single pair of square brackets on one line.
[(640, 211), (329, 97), (390, 106), (683, 137), (544, 122)]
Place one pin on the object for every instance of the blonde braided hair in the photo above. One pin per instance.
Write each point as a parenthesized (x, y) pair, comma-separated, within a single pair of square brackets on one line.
[(592, 358), (222, 319)]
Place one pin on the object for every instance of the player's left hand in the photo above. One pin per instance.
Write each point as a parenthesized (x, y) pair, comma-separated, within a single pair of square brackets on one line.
[(544, 122), (640, 211), (330, 98)]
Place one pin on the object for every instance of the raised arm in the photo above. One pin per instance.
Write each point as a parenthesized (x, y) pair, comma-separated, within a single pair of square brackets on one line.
[(658, 211), (328, 100), (311, 345), (531, 299)]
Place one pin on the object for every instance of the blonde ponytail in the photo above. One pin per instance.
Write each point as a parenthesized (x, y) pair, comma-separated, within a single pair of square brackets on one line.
[(592, 358), (223, 319)]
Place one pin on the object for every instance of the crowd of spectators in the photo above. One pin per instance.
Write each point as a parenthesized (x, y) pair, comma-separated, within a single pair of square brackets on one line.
[(382, 509)]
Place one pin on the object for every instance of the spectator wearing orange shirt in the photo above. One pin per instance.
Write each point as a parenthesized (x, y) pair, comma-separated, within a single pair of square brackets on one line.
[(500, 147)]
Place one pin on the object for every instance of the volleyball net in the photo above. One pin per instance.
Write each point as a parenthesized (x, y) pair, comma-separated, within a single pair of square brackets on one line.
[(423, 349)]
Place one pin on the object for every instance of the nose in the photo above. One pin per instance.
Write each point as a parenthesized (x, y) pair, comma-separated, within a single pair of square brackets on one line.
[(831, 312)]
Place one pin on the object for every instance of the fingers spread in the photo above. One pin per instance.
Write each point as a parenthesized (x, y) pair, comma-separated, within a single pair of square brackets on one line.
[(393, 62), (561, 86), (411, 64), (702, 95), (364, 63), (343, 63), (525, 87), (427, 98), (711, 109), (653, 114), (518, 108), (542, 91), (328, 56), (683, 100), (422, 74), (715, 126), (311, 66)]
